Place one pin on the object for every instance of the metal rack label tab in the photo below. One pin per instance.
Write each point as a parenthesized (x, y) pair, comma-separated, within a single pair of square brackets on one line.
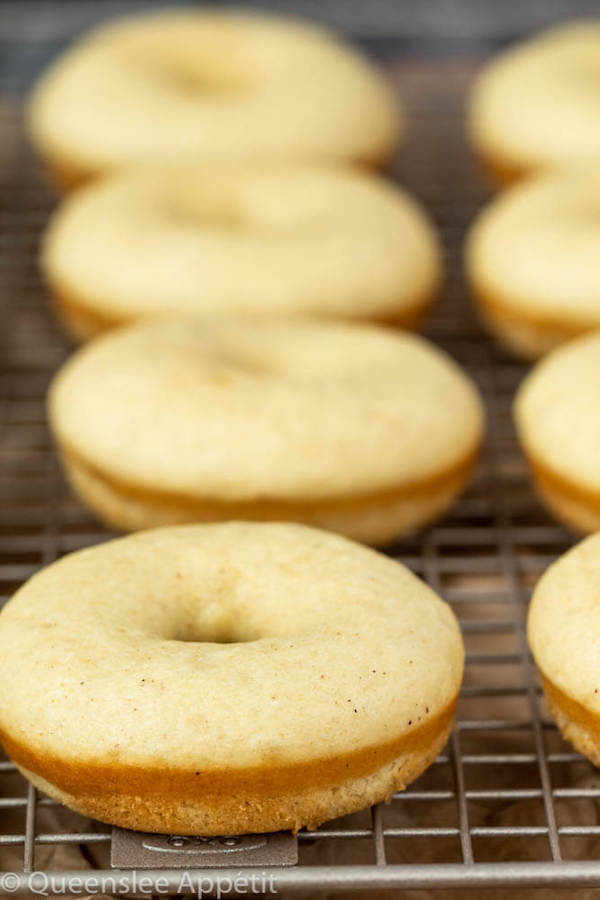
[(138, 850)]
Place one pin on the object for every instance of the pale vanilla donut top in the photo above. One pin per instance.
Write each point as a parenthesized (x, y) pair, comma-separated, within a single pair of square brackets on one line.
[(296, 238), (564, 623), (253, 408), (558, 411), (538, 245), (233, 645), (211, 86), (538, 103)]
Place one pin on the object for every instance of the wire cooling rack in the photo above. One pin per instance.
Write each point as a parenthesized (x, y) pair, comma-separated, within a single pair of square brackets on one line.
[(507, 803)]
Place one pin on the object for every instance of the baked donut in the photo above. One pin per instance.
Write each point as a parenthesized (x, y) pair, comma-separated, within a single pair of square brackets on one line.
[(563, 627), (293, 239), (221, 679), (360, 429), (533, 259), (536, 104), (557, 412), (209, 86)]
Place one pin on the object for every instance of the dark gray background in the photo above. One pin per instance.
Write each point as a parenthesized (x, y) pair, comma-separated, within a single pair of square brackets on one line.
[(33, 31)]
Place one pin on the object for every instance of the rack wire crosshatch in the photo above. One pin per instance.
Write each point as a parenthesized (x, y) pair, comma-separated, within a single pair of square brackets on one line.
[(508, 803)]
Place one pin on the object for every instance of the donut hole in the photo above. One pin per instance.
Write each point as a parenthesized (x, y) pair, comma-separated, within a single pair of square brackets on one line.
[(223, 631), (225, 211), (273, 206), (201, 205), (223, 637), (185, 79), (192, 211), (195, 72)]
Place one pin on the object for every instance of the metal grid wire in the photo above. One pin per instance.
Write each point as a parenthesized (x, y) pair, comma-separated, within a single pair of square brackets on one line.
[(508, 802)]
